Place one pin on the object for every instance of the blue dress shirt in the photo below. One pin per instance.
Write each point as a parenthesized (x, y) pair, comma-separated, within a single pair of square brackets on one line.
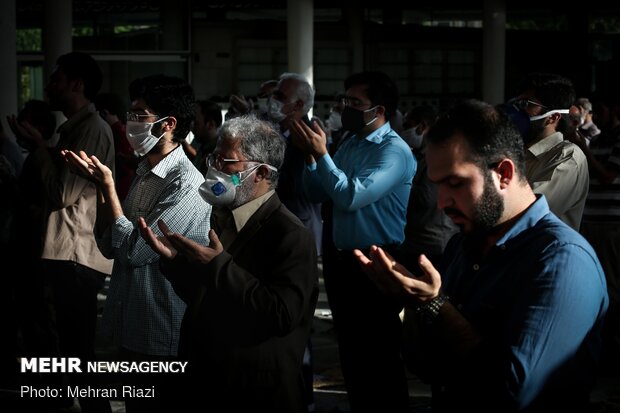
[(369, 181), (538, 299)]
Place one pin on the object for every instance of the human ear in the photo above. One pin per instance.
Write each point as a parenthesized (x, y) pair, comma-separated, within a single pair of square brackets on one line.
[(505, 169), (262, 173), (170, 123)]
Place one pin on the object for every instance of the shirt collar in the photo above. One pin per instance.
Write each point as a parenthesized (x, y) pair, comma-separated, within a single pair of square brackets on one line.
[(546, 143), (533, 214), (164, 166), (243, 213), (377, 136)]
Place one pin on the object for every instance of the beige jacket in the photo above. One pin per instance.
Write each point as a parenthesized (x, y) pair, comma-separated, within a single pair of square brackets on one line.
[(73, 200)]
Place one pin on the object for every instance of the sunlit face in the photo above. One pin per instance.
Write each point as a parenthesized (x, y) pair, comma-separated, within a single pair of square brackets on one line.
[(285, 93), (464, 192), (229, 159)]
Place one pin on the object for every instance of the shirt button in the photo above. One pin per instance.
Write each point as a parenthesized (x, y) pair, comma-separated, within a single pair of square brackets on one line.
[(476, 267)]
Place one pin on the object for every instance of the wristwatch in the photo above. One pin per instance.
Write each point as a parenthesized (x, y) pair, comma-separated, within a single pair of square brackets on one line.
[(429, 311)]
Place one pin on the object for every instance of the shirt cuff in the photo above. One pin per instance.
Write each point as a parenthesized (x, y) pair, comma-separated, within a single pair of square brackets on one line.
[(326, 162), (121, 228)]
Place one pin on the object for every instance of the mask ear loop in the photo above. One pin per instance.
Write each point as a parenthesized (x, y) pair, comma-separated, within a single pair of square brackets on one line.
[(551, 112), (250, 171), (373, 119)]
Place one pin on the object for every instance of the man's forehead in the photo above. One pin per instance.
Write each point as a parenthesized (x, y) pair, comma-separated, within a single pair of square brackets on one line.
[(227, 144), (357, 90), (446, 157), (139, 104)]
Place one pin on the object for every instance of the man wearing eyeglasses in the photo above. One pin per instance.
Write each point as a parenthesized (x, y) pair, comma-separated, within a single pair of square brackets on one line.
[(556, 167), (251, 291), (143, 314), (368, 181)]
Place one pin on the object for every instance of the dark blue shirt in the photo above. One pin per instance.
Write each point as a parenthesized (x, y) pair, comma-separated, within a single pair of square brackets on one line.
[(538, 299)]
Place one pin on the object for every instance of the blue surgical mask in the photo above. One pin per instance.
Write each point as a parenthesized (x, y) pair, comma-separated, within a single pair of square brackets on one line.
[(518, 117)]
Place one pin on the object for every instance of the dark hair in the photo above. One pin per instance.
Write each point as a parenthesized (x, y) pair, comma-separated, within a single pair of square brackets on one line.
[(381, 89), (422, 113), (113, 103), (211, 111), (553, 91), (491, 135), (41, 117), (77, 65), (167, 96)]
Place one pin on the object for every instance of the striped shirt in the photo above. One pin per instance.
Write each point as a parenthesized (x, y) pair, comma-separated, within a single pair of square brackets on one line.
[(142, 312), (603, 203)]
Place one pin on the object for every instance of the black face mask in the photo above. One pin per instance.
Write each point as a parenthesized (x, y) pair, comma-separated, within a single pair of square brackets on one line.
[(353, 119)]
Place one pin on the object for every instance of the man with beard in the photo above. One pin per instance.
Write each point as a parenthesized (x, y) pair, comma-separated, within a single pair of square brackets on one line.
[(512, 321), (251, 292), (73, 268), (555, 167), (142, 312)]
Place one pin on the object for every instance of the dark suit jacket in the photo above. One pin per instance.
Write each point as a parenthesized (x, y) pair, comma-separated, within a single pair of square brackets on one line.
[(249, 314)]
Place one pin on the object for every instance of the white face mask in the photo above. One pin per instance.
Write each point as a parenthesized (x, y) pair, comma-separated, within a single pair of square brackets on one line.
[(220, 189), (334, 122), (551, 112), (412, 137), (262, 104), (274, 110), (139, 136)]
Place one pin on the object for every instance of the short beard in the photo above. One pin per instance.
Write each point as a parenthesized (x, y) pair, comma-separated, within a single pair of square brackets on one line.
[(244, 193), (487, 210)]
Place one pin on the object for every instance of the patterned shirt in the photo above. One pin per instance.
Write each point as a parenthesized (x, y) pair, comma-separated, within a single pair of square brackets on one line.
[(142, 311)]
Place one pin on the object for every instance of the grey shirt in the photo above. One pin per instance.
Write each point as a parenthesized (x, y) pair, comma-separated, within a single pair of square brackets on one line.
[(559, 169)]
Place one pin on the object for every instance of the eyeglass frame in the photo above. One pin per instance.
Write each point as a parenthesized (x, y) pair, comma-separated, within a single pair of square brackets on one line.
[(519, 103), (137, 117), (352, 102), (215, 159)]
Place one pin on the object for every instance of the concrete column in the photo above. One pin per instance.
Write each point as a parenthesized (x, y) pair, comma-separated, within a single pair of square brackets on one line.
[(300, 31), (175, 25), (8, 63), (354, 17), (494, 51), (57, 33)]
